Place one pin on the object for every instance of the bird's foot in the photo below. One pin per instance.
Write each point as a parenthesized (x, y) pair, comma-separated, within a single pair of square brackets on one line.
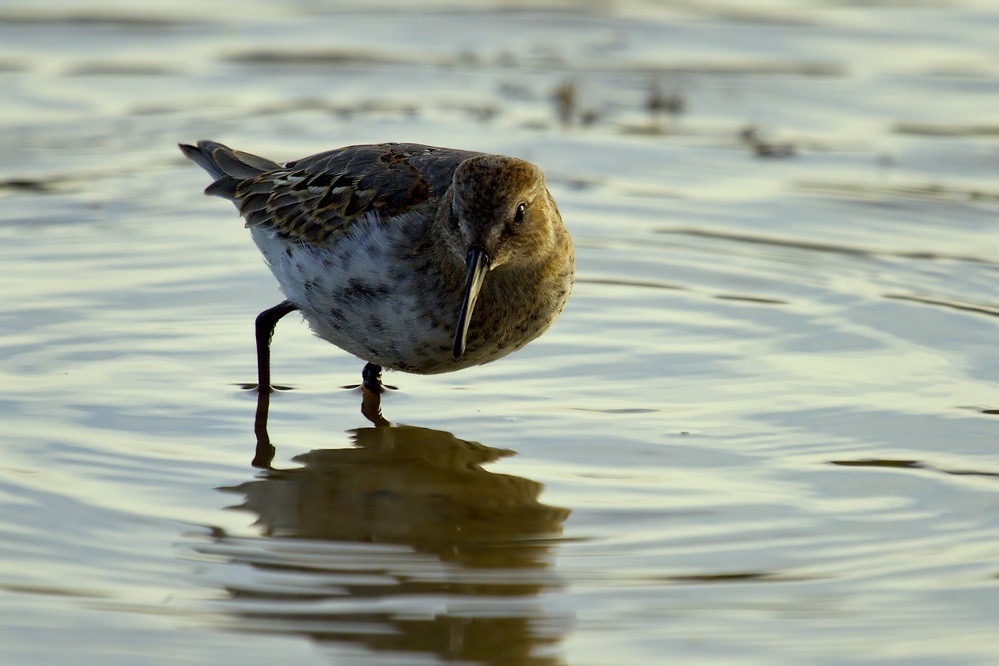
[(371, 378)]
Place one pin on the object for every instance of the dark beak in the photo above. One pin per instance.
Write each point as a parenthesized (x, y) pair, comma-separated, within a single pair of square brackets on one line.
[(478, 266)]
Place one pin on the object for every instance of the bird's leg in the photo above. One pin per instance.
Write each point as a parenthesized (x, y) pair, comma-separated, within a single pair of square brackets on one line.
[(372, 378), (266, 321)]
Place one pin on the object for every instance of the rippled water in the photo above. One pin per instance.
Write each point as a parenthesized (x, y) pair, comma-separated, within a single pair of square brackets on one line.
[(763, 431)]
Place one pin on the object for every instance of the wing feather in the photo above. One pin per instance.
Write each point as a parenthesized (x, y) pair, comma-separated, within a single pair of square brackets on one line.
[(318, 198)]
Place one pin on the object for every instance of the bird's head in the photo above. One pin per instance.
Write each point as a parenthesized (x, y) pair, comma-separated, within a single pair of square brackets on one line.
[(501, 215)]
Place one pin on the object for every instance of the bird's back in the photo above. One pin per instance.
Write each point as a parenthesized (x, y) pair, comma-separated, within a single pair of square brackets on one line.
[(317, 198)]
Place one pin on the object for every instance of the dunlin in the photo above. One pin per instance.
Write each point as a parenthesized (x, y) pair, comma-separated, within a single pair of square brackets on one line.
[(410, 257)]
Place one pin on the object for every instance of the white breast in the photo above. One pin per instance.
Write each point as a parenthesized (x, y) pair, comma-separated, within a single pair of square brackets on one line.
[(359, 295)]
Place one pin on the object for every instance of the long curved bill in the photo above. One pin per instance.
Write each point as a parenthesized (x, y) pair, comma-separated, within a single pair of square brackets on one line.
[(478, 266)]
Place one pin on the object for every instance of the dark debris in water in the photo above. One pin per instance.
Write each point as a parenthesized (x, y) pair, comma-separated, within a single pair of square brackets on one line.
[(729, 577), (53, 591), (93, 19), (952, 304), (739, 577), (564, 96), (32, 185), (321, 58), (567, 109), (761, 147), (750, 299), (909, 464), (660, 103), (876, 462)]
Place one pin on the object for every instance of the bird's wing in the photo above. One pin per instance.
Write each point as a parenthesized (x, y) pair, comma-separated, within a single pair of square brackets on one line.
[(317, 198)]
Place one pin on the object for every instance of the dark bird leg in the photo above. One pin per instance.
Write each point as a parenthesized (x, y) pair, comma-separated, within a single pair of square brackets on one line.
[(266, 321), (371, 378)]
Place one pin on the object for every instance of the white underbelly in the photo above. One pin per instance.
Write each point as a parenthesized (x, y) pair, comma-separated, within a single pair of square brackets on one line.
[(359, 296)]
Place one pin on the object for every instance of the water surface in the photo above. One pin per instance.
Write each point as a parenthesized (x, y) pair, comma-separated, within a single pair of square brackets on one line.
[(763, 431)]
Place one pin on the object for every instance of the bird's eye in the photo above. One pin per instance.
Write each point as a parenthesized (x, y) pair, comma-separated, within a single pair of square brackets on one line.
[(518, 216)]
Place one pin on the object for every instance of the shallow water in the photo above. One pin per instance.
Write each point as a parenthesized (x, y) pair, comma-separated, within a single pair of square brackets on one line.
[(763, 431)]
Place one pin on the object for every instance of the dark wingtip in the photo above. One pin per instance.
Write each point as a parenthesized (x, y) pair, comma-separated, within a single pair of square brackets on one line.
[(191, 152), (202, 156)]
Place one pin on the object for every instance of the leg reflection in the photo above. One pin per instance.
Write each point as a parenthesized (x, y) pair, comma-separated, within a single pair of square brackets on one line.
[(404, 543), (264, 454), (371, 408)]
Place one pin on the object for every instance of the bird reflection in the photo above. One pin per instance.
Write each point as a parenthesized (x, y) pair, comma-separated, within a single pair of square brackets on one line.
[(402, 543)]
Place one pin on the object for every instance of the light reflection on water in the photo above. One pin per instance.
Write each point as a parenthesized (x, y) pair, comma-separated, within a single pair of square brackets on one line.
[(769, 409)]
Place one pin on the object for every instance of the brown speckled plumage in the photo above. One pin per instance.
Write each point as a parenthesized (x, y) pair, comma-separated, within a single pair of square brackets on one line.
[(377, 245)]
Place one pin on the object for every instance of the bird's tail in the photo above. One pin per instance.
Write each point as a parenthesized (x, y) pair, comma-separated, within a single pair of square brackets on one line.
[(227, 166)]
